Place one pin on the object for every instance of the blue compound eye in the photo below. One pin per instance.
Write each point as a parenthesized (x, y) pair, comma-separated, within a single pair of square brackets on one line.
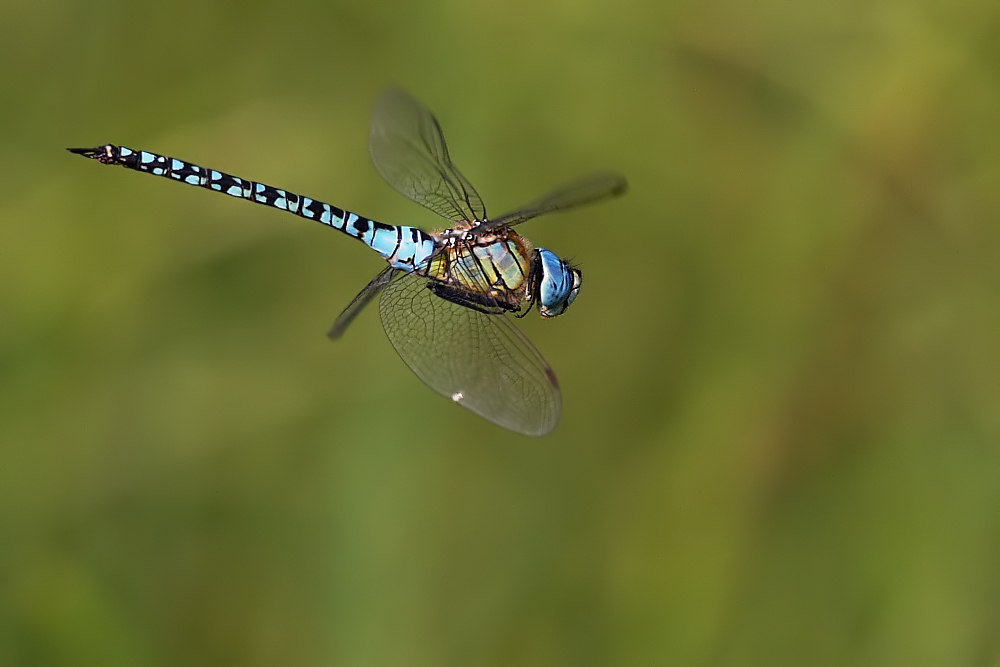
[(558, 286)]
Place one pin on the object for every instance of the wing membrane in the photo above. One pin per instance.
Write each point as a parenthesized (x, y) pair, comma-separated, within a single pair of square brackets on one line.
[(584, 191), (359, 302), (482, 362), (409, 151)]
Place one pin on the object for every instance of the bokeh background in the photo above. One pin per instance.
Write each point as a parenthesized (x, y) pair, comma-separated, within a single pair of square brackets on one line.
[(780, 442)]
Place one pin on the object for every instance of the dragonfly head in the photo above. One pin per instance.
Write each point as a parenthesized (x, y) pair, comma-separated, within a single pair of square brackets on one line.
[(556, 283)]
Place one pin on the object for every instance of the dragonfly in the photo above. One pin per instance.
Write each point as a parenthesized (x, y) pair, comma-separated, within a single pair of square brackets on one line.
[(446, 297)]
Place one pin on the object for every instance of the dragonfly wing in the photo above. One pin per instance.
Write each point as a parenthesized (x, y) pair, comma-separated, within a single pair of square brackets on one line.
[(409, 151), (483, 362), (363, 298), (584, 191)]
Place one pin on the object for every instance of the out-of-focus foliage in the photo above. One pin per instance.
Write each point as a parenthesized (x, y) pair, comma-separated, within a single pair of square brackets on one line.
[(781, 435)]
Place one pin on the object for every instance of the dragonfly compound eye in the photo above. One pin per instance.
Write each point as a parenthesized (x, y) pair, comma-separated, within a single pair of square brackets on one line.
[(558, 286)]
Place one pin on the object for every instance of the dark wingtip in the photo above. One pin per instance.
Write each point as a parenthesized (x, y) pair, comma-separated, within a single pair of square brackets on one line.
[(621, 187)]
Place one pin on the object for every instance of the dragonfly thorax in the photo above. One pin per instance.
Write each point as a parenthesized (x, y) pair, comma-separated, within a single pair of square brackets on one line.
[(488, 271), (463, 231)]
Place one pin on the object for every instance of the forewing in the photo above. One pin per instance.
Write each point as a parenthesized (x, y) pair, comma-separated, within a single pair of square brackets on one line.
[(584, 191), (408, 149), (483, 362), (363, 298)]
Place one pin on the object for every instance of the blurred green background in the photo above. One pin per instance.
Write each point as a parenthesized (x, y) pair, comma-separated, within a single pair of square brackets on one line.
[(779, 443)]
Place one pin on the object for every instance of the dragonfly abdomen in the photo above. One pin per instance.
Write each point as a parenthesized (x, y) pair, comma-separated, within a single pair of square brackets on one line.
[(402, 246)]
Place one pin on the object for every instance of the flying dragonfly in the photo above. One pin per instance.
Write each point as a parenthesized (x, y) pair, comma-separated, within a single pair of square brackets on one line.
[(445, 296)]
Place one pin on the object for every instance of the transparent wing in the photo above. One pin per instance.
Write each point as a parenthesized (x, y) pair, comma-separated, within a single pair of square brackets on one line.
[(363, 298), (584, 191), (409, 151), (480, 361)]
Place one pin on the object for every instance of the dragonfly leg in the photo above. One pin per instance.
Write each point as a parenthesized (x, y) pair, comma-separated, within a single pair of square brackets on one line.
[(481, 302)]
